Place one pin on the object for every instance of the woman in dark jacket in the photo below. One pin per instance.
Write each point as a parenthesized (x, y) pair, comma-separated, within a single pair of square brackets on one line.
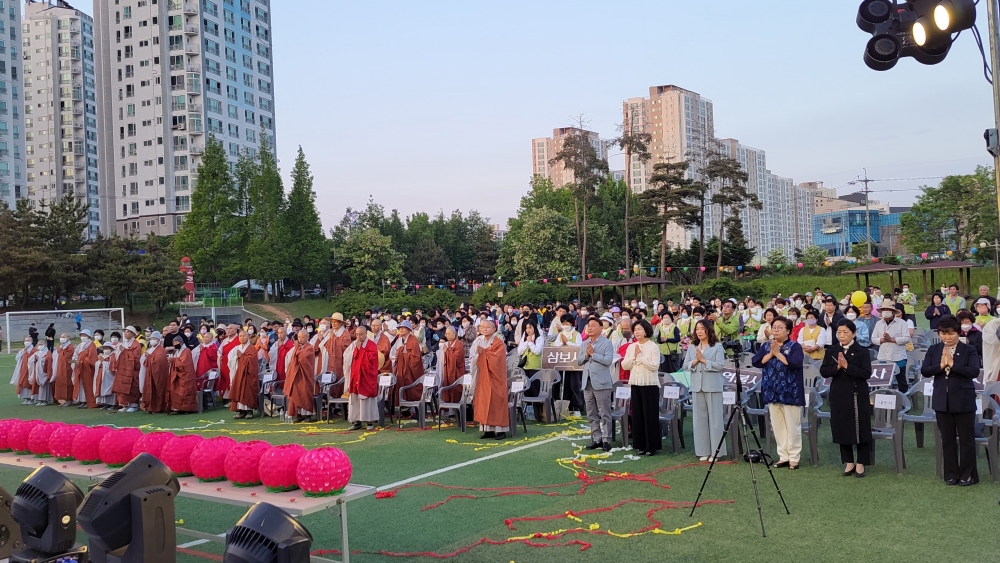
[(850, 365), (954, 365), (937, 310), (969, 332)]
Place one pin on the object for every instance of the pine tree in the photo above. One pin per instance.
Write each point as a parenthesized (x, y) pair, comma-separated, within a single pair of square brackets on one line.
[(669, 193), (268, 258), (307, 244)]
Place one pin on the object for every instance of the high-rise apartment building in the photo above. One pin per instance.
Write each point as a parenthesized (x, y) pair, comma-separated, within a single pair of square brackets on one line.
[(11, 104), (60, 107), (544, 149), (171, 74)]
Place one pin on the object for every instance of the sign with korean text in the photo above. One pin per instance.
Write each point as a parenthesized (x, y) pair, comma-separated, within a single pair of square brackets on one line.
[(560, 358), (881, 375), (748, 376)]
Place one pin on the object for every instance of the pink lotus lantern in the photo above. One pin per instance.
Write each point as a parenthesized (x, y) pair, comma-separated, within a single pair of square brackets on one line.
[(18, 440), (87, 444), (176, 453), (5, 429), (38, 439), (323, 472), (152, 443), (799, 264), (208, 459), (116, 446), (243, 461), (61, 441), (278, 466)]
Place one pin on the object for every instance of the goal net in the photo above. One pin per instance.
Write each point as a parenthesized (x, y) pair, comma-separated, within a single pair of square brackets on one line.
[(17, 324)]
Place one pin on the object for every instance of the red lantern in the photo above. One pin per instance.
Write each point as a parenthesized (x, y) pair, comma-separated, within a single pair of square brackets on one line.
[(208, 459), (668, 268), (152, 443), (324, 472), (61, 441), (116, 446), (87, 444), (38, 439), (5, 429), (242, 462), (874, 259), (923, 255), (757, 267), (278, 466), (18, 440), (176, 453), (517, 283), (418, 286), (590, 276)]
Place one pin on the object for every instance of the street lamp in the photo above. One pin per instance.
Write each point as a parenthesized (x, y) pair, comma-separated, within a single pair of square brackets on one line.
[(996, 257)]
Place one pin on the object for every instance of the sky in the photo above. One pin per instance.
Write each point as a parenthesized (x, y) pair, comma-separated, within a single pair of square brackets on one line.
[(429, 106)]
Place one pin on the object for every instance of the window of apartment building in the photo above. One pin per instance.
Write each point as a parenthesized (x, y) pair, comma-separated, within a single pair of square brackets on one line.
[(234, 111), (214, 106), (230, 36), (232, 92), (248, 98), (229, 17), (231, 74), (264, 86), (251, 135), (231, 55), (263, 50), (212, 47), (248, 62), (234, 130), (135, 208)]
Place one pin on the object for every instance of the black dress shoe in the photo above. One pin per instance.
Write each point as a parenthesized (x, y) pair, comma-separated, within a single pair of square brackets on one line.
[(594, 445), (951, 482), (781, 464), (861, 475), (640, 452), (606, 446), (486, 435), (650, 454), (966, 483), (851, 472), (500, 436), (793, 467), (355, 426)]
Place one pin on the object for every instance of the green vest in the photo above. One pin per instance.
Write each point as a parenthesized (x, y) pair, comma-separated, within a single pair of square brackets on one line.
[(667, 348)]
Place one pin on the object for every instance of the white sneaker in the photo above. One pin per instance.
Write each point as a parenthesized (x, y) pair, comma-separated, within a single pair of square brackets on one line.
[(41, 404), (703, 458), (132, 409)]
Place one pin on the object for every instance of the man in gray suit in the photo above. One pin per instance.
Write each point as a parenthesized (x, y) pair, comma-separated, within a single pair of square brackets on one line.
[(596, 355)]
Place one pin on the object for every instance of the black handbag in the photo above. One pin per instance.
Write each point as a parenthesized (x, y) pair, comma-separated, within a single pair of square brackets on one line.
[(523, 362)]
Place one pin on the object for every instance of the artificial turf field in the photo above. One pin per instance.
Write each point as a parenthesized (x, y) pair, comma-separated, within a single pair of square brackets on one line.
[(911, 517)]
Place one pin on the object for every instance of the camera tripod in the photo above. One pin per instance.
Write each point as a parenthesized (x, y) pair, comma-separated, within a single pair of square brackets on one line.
[(751, 456)]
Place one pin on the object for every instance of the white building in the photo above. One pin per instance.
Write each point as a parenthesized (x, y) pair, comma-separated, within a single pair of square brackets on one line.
[(12, 185), (544, 149), (60, 107), (172, 73)]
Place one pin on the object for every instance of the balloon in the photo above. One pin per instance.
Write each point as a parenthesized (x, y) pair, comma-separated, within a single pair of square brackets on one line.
[(973, 249), (827, 263), (740, 268), (859, 298), (757, 267), (668, 268), (851, 261)]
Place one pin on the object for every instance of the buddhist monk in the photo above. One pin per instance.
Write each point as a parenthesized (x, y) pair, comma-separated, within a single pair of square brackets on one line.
[(361, 360), (384, 343), (208, 354), (40, 373), (488, 364), (453, 364), (181, 384), (84, 361), (20, 377), (334, 339), (300, 381), (407, 360), (155, 387), (62, 388), (104, 377), (126, 368), (225, 377), (279, 351), (244, 367)]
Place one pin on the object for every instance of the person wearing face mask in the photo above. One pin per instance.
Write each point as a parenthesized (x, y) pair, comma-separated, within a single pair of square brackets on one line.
[(182, 385), (189, 338), (829, 320), (84, 362), (467, 332), (580, 324), (625, 338), (41, 375), (230, 341), (795, 315), (812, 337), (571, 389), (244, 367), (892, 335), (62, 388), (849, 366), (155, 381), (991, 350), (407, 360), (20, 377), (104, 379), (668, 338), (126, 367), (970, 333)]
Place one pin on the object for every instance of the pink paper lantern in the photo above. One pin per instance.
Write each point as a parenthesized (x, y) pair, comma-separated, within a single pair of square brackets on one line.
[(19, 433), (243, 461), (702, 268), (61, 441), (208, 459), (176, 453), (923, 255), (38, 439), (116, 446), (278, 466), (799, 264), (5, 428), (87, 444), (152, 443), (323, 472)]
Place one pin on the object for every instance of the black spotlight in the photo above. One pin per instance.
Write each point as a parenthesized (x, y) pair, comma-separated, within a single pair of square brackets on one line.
[(129, 517), (922, 29), (10, 532), (45, 507), (267, 534)]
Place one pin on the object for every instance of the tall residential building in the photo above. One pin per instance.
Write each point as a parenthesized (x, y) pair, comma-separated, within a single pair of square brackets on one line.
[(12, 185), (60, 107), (172, 73), (545, 149)]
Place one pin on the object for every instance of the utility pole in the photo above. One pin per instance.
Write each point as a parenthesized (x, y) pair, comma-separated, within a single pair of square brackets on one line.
[(868, 225), (991, 12)]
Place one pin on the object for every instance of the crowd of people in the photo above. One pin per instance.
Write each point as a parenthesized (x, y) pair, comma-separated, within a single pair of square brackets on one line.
[(163, 371)]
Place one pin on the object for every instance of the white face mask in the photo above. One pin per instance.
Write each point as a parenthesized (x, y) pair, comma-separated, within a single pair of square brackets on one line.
[(188, 334), (63, 340), (798, 304), (696, 318), (851, 316), (567, 328), (114, 340), (84, 339), (323, 328), (153, 342), (793, 318), (888, 315), (966, 327), (27, 343)]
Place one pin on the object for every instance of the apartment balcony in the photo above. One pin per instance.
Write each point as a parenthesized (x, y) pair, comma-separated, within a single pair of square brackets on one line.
[(191, 49), (178, 107), (194, 68), (191, 30), (77, 124), (77, 111), (190, 9), (194, 108), (196, 131), (196, 149)]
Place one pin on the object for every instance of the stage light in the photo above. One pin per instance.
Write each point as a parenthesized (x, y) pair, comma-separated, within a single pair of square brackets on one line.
[(130, 515), (267, 534), (45, 507), (919, 32), (882, 52), (955, 15), (10, 532), (922, 29)]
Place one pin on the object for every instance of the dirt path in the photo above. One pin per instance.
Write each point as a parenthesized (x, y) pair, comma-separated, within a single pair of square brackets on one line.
[(271, 310)]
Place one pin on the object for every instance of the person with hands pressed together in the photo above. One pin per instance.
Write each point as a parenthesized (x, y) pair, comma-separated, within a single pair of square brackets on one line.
[(596, 355), (891, 335), (953, 365), (642, 360), (704, 361), (488, 370), (849, 365), (812, 338), (783, 389)]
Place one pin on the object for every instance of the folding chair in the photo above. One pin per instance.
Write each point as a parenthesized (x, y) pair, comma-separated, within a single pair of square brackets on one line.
[(386, 383), (516, 385), (546, 378), (332, 402), (988, 415), (265, 388), (670, 410), (810, 423), (811, 376), (206, 394), (926, 416), (620, 410), (888, 423), (428, 384), (460, 406)]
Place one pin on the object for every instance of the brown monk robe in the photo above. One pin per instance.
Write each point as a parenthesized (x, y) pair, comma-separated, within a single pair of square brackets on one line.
[(21, 369), (182, 386), (62, 388), (489, 364), (409, 361), (340, 341), (125, 364), (454, 366), (384, 345), (86, 361), (300, 379), (245, 383), (154, 390)]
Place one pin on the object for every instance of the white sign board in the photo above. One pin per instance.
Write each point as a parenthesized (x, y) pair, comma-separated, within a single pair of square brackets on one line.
[(516, 386), (729, 397), (327, 378), (429, 381), (671, 392), (887, 402), (623, 392), (928, 390), (384, 380), (979, 407)]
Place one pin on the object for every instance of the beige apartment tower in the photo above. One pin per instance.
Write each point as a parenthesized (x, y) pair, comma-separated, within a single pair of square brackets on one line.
[(544, 149)]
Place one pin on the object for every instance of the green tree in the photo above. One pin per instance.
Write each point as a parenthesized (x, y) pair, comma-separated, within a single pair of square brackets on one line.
[(426, 262), (306, 244), (635, 143), (158, 275), (206, 236), (956, 215), (541, 247), (112, 265), (368, 258), (484, 247), (670, 193), (731, 194), (859, 251), (62, 224), (241, 231), (735, 251), (776, 257), (24, 258), (268, 259), (814, 256)]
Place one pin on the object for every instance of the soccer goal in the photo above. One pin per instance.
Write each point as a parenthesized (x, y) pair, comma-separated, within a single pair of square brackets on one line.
[(17, 324)]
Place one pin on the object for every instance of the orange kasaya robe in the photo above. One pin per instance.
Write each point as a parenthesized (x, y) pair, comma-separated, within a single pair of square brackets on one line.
[(245, 384), (334, 347), (22, 377), (62, 390), (125, 364), (409, 366), (384, 345), (454, 368), (85, 364), (300, 380), (489, 404), (225, 378), (182, 385), (155, 392)]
